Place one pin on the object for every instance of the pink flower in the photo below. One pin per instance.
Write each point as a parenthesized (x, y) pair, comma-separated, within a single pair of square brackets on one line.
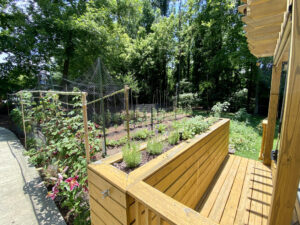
[(72, 182), (54, 192)]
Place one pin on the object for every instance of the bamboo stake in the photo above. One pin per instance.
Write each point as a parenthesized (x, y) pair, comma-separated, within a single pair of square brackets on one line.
[(85, 124), (126, 88), (23, 120)]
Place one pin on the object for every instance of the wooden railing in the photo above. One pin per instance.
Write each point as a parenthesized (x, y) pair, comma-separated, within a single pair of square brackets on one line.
[(154, 207)]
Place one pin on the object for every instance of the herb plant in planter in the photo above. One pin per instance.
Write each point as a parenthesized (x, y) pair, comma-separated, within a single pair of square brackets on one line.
[(131, 155), (154, 147)]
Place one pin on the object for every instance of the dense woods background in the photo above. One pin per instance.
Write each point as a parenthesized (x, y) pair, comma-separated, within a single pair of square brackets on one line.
[(149, 44)]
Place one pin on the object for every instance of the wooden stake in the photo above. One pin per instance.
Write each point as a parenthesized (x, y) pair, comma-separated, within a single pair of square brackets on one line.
[(86, 130), (288, 173), (263, 141), (23, 120), (126, 88), (272, 113)]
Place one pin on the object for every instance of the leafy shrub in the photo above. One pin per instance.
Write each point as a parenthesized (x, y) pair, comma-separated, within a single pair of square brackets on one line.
[(154, 147), (141, 134), (16, 117), (219, 107), (239, 99), (161, 128), (241, 115), (173, 138), (186, 100), (131, 155)]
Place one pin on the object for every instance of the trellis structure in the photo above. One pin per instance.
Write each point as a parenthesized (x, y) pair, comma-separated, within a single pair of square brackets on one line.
[(273, 29)]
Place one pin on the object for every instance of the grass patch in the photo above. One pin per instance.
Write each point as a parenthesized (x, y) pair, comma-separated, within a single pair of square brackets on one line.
[(245, 136)]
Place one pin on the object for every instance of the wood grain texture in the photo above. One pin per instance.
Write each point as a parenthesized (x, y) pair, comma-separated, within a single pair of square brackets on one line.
[(288, 173), (272, 113), (240, 193)]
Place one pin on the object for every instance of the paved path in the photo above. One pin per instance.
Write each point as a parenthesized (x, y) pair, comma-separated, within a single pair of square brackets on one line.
[(22, 197)]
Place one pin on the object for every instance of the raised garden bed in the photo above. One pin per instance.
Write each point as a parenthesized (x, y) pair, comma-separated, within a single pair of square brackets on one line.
[(183, 173)]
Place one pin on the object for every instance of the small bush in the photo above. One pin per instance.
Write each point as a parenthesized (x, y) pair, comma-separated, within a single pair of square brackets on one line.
[(219, 107), (154, 147), (241, 115), (131, 155), (142, 134), (173, 138), (161, 128)]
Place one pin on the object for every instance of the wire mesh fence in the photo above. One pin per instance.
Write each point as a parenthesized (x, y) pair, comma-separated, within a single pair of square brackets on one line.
[(82, 121)]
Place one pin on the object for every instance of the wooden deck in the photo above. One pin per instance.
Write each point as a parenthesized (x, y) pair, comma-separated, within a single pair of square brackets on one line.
[(239, 194)]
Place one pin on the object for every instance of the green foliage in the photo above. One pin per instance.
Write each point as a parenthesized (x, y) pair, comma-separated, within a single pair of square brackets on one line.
[(173, 137), (219, 107), (16, 117), (161, 128), (116, 143), (63, 150), (241, 115), (187, 100), (142, 134), (154, 147), (131, 155), (244, 139)]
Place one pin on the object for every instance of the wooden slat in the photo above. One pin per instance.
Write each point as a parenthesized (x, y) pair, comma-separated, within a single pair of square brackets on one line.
[(95, 219), (204, 175), (235, 194), (221, 200), (213, 193), (174, 213), (161, 173), (267, 192), (102, 184), (187, 168), (108, 203), (242, 215), (266, 9), (105, 216), (288, 173), (256, 205)]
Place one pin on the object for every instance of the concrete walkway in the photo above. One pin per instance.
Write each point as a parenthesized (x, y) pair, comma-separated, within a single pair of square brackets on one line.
[(22, 197)]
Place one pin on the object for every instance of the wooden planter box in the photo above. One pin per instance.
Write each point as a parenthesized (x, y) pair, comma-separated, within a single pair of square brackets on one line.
[(179, 176)]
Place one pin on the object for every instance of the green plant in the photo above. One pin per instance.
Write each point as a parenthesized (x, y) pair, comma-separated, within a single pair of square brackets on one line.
[(131, 155), (141, 134), (241, 115), (219, 107), (154, 147), (161, 128), (173, 138)]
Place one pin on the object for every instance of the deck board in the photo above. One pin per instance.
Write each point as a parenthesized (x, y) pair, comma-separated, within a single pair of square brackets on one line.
[(240, 194)]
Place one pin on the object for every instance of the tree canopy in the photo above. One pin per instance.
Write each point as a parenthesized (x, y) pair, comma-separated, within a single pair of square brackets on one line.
[(157, 43)]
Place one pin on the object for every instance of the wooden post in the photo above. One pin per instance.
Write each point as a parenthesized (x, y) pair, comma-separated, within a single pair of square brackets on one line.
[(23, 120), (272, 113), (86, 130), (263, 141), (288, 173), (126, 88)]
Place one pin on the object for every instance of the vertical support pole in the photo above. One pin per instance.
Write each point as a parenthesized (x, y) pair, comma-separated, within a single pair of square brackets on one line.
[(272, 112), (85, 125), (126, 88), (23, 119), (288, 173), (263, 141), (103, 110), (151, 118)]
